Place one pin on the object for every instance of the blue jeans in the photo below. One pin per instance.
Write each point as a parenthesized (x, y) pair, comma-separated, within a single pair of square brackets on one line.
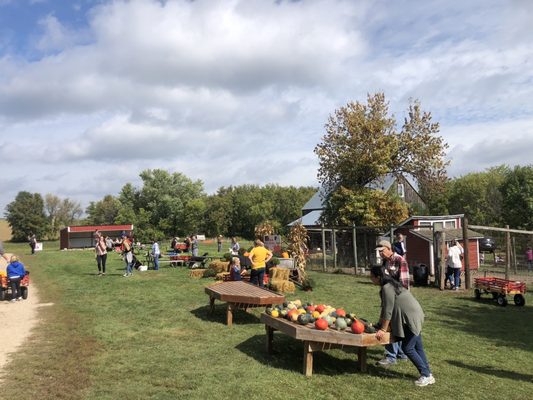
[(457, 277), (413, 348), (393, 351), (156, 261), (128, 258), (257, 277)]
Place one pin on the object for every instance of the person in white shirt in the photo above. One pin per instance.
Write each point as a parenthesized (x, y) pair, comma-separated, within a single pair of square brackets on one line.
[(455, 252), (155, 254)]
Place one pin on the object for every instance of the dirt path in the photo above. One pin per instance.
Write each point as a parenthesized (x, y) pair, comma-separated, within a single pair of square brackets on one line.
[(18, 319)]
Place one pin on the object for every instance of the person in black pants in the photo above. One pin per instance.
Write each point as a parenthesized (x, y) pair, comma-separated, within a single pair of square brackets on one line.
[(15, 272)]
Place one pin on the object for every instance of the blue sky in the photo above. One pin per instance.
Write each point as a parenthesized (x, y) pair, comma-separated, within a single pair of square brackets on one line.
[(238, 91)]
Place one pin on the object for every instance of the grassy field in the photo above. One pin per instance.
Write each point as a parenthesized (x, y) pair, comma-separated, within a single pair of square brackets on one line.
[(5, 230), (151, 337)]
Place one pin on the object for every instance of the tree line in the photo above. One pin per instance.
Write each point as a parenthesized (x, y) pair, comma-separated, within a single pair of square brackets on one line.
[(167, 204)]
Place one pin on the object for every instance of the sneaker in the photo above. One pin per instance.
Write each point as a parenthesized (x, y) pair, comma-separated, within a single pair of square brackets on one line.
[(99, 273), (13, 300), (103, 273), (386, 362), (20, 298), (125, 275), (403, 358), (425, 380)]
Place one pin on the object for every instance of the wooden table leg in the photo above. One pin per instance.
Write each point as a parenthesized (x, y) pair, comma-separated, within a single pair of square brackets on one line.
[(211, 304), (269, 338), (361, 356), (308, 359), (229, 314)]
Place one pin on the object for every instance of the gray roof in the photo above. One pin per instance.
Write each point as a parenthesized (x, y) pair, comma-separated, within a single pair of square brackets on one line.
[(427, 234), (316, 202), (385, 182), (310, 219)]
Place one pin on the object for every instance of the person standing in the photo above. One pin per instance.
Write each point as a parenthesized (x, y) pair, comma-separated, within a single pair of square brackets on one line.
[(100, 248), (33, 242), (15, 272), (529, 257), (156, 253), (259, 256), (397, 268), (219, 243), (235, 247), (399, 246), (455, 252), (127, 252), (403, 315), (194, 246)]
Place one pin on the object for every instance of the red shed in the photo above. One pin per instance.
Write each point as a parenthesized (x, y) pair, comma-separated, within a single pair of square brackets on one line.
[(422, 243), (79, 237)]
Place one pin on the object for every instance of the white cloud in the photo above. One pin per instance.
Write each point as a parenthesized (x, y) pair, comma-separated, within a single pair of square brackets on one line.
[(220, 90)]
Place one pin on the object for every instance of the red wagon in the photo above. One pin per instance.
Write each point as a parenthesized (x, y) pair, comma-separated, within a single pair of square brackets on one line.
[(500, 288), (5, 286)]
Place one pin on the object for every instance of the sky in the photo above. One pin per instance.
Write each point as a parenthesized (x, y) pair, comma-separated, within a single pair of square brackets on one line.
[(92, 92)]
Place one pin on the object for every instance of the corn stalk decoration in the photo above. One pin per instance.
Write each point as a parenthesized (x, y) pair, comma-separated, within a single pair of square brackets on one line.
[(298, 249), (263, 229)]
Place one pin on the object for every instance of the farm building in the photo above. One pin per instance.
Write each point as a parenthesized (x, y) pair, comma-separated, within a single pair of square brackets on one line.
[(80, 237), (422, 239)]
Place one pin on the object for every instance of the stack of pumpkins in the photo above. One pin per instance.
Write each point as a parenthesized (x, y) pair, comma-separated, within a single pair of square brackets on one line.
[(322, 317)]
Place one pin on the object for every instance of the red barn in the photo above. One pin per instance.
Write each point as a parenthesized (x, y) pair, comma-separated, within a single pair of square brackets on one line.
[(79, 237), (422, 239)]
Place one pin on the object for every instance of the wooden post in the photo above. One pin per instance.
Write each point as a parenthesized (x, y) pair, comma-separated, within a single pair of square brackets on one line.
[(229, 314), (354, 237), (442, 260), (269, 337), (514, 254), (466, 252), (361, 356), (334, 247), (308, 359), (507, 252), (211, 304), (324, 264)]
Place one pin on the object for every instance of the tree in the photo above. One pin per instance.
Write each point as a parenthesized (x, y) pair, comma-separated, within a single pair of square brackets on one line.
[(478, 196), (517, 192), (362, 144), (103, 212), (26, 215), (60, 213)]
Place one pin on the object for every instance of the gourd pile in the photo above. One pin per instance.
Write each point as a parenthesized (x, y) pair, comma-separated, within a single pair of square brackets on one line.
[(321, 317)]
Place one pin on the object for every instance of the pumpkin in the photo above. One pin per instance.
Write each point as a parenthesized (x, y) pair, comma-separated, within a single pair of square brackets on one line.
[(358, 327), (303, 319), (275, 313), (340, 312), (340, 324), (320, 308), (321, 324)]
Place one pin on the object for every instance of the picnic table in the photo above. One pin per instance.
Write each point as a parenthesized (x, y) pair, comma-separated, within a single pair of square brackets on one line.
[(317, 340), (241, 295)]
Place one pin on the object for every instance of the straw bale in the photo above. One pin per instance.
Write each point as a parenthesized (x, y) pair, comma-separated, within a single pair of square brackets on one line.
[(218, 266)]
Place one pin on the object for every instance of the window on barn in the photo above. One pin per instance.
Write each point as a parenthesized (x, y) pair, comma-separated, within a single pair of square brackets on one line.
[(401, 190)]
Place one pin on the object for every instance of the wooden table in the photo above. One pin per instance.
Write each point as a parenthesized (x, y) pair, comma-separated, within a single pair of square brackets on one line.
[(242, 295), (317, 340)]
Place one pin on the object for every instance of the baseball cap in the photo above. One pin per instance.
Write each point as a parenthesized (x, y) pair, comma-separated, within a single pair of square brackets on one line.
[(383, 244)]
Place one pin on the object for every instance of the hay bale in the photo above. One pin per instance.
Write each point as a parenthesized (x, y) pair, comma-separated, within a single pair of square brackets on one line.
[(222, 276), (277, 273), (197, 273), (218, 266)]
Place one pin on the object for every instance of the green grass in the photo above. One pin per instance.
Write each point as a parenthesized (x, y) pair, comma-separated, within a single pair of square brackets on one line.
[(151, 337)]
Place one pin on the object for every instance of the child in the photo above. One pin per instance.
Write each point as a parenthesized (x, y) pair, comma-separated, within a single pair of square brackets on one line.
[(235, 269)]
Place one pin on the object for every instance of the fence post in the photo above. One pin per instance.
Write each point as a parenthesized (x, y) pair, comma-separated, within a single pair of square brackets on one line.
[(507, 252), (354, 233), (514, 254), (323, 248), (466, 252), (442, 260), (334, 247)]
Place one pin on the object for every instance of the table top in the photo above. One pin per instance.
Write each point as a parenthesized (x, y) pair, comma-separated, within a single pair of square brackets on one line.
[(310, 333), (243, 292)]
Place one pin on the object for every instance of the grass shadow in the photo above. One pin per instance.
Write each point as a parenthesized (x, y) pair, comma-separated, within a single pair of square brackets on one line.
[(240, 317), (489, 370), (287, 354)]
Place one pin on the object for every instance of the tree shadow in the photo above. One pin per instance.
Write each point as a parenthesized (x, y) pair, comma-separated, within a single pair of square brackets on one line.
[(287, 354), (489, 370), (240, 317)]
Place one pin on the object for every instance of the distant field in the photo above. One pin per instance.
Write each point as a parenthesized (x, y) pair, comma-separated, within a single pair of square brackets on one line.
[(5, 230)]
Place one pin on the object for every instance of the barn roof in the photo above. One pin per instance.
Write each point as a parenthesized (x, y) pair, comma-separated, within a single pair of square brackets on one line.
[(309, 219), (107, 228), (427, 234)]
